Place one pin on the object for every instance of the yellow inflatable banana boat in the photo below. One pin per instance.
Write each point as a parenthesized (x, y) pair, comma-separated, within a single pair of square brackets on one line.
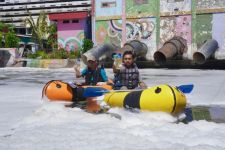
[(163, 98), (158, 98)]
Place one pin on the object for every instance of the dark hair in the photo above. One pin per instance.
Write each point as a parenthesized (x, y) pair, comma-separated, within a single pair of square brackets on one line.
[(129, 53)]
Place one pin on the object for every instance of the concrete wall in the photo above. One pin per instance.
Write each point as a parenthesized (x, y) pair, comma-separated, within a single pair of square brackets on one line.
[(141, 8), (49, 63), (154, 22), (108, 9), (168, 7)]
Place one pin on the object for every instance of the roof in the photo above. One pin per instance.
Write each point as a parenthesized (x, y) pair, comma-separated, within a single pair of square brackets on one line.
[(63, 16)]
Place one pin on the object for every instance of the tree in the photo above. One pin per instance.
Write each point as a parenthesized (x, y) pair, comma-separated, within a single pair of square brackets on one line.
[(11, 40), (8, 35), (39, 28), (1, 35), (87, 45), (52, 39)]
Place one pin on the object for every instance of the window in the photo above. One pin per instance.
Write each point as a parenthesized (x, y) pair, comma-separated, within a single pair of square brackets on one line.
[(20, 31), (75, 21), (108, 4), (66, 21), (2, 0), (173, 1), (140, 2), (28, 31)]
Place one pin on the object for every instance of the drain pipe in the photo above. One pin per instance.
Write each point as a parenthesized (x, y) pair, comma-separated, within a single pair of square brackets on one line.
[(138, 48), (170, 49), (99, 52), (206, 50)]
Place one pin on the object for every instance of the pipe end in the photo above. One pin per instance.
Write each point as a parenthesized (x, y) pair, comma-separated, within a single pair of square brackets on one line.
[(199, 58), (159, 58), (84, 58)]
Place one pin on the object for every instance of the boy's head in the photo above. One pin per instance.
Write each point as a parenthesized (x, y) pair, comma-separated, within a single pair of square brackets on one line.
[(92, 62), (128, 58)]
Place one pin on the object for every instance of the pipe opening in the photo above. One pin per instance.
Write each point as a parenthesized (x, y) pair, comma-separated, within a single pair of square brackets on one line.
[(159, 57), (84, 59), (199, 58)]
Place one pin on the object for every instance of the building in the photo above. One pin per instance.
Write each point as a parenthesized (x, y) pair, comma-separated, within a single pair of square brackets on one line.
[(73, 18)]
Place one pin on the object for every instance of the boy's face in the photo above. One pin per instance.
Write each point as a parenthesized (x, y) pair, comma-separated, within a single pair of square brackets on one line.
[(128, 60), (92, 64)]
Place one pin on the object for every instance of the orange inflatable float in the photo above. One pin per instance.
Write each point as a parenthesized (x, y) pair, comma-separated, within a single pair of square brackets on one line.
[(57, 90)]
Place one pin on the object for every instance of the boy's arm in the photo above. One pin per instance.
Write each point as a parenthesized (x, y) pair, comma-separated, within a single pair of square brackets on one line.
[(115, 70), (78, 73), (105, 78), (141, 83)]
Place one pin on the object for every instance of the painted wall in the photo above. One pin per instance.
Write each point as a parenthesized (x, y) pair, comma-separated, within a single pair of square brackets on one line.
[(176, 26), (141, 8), (144, 30), (175, 6), (210, 4), (70, 35), (167, 29), (112, 11), (203, 28), (155, 22), (109, 31), (139, 29), (218, 32), (47, 63)]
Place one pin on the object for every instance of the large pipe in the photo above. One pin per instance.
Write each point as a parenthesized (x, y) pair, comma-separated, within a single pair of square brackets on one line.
[(170, 49), (206, 50), (140, 49), (99, 52)]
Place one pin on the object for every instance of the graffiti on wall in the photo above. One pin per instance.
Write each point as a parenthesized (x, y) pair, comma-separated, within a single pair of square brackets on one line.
[(47, 63), (137, 8), (203, 28), (175, 26), (167, 29), (209, 4), (70, 35), (143, 30), (183, 28), (71, 43), (140, 29), (174, 5), (109, 32)]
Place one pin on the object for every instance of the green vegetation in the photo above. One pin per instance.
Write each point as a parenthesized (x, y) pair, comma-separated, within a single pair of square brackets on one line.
[(11, 40), (39, 28), (55, 54), (8, 36), (42, 34), (62, 53), (1, 35), (52, 39), (87, 45)]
